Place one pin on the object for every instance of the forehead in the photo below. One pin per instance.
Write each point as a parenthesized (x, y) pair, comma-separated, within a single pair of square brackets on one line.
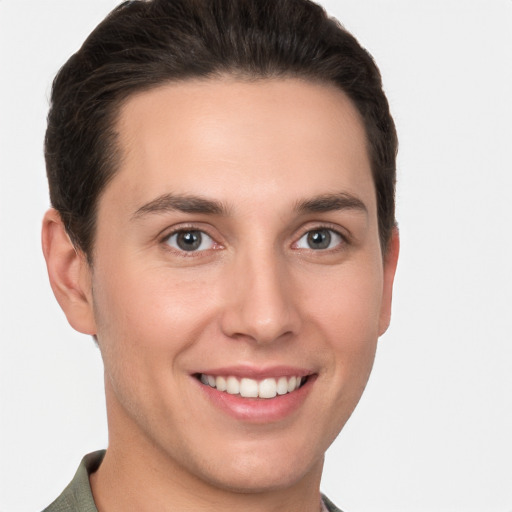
[(247, 140)]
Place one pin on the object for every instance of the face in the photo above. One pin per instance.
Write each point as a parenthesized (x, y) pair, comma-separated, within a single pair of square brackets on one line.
[(238, 285)]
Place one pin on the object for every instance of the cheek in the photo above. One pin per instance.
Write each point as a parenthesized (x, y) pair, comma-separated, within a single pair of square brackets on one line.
[(145, 320), (348, 302), (147, 303), (146, 324), (347, 314)]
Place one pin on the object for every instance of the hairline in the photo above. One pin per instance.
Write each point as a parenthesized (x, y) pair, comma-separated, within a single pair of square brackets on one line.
[(234, 75)]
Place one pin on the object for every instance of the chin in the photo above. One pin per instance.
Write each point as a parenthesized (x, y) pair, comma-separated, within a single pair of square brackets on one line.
[(258, 465), (260, 476)]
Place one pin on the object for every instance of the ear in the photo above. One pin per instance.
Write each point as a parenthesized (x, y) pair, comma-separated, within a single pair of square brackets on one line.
[(390, 262), (69, 273)]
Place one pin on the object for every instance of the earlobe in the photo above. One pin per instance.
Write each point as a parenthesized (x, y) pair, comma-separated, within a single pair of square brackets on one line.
[(69, 273), (390, 263)]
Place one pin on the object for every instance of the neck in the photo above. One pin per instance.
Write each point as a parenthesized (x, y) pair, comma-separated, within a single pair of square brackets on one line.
[(133, 481), (136, 474)]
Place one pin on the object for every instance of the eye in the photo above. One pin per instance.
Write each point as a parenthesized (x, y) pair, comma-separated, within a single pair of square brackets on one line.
[(190, 240), (319, 239)]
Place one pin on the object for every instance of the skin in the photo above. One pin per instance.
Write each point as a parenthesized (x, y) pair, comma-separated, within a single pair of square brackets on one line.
[(255, 294)]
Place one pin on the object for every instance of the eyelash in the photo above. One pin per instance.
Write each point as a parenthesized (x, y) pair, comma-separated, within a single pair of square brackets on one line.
[(184, 230), (342, 240)]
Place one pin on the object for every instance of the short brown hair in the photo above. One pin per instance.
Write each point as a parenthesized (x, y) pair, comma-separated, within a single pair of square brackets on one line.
[(143, 44)]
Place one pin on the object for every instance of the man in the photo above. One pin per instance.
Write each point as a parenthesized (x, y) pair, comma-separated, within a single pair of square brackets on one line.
[(222, 180)]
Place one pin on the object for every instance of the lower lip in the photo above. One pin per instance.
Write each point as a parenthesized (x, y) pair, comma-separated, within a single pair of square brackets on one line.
[(258, 410)]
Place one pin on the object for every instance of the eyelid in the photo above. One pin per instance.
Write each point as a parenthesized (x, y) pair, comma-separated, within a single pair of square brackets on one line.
[(205, 239), (314, 226), (338, 230), (166, 234)]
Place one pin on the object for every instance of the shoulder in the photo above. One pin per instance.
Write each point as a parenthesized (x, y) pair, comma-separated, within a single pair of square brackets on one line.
[(329, 505), (77, 496)]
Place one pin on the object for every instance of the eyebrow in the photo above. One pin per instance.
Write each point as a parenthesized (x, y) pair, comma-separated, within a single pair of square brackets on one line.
[(331, 202), (183, 203), (201, 205)]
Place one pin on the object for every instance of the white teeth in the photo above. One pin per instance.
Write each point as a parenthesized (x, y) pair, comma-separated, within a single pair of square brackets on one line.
[(268, 388), (251, 388), (232, 386), (282, 386), (221, 384)]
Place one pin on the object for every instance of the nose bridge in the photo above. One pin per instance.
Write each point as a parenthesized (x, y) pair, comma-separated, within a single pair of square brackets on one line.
[(261, 303)]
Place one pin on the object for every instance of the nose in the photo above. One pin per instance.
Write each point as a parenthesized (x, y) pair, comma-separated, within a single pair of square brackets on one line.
[(261, 302)]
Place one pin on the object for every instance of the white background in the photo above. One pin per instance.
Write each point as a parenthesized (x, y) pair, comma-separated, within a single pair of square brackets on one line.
[(434, 429)]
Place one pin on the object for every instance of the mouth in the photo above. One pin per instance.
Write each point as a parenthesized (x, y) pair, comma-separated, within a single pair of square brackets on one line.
[(247, 387), (258, 396)]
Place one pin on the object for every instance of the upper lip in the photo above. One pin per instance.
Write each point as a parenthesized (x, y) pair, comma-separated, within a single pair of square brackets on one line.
[(257, 373)]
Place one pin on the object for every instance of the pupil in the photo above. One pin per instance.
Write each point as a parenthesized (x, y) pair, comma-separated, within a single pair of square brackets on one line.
[(189, 240), (319, 239)]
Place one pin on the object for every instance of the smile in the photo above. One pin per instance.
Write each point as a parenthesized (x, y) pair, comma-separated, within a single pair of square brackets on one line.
[(252, 388)]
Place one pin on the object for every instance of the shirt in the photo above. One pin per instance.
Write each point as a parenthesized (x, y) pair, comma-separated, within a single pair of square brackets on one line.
[(77, 496)]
